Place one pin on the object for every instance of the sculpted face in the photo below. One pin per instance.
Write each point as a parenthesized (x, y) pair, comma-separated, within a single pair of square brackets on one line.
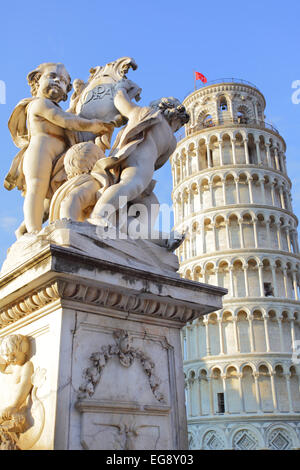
[(53, 83), (13, 357)]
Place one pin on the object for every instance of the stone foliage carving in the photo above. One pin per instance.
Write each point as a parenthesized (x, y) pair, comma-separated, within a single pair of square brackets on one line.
[(21, 411), (127, 354)]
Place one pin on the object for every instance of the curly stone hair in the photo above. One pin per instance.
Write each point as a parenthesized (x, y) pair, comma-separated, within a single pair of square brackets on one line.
[(81, 158), (34, 76), (170, 108), (14, 343)]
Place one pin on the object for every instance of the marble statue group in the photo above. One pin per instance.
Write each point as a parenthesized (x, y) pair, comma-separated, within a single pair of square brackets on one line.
[(62, 169)]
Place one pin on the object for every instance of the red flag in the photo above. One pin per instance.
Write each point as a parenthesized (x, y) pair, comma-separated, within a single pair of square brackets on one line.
[(199, 76)]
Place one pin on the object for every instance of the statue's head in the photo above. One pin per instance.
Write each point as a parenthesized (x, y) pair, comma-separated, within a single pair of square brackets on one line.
[(78, 85), (174, 112), (50, 80), (14, 349), (81, 158)]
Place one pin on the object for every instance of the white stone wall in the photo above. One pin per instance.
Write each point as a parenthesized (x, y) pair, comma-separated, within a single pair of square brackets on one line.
[(232, 192)]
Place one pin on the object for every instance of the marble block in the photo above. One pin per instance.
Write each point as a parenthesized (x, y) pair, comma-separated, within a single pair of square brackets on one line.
[(105, 331)]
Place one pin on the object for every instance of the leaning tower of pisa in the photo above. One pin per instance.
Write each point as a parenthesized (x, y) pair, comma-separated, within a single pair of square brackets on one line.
[(231, 190)]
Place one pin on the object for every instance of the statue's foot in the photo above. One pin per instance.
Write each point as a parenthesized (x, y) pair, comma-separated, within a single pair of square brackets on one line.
[(20, 231)]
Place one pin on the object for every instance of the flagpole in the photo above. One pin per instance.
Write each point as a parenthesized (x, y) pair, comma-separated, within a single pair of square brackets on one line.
[(194, 80)]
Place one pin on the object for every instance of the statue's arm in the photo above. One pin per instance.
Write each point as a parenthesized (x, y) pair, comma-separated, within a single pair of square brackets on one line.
[(123, 103), (21, 390), (54, 114)]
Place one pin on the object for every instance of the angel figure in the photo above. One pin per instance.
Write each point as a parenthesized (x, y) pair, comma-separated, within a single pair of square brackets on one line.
[(140, 148), (43, 131)]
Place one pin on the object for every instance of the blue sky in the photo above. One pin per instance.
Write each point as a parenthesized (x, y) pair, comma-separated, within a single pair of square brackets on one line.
[(257, 41)]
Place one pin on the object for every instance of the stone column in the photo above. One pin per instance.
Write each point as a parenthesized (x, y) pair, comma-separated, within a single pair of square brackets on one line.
[(269, 155), (258, 152), (240, 222), (242, 407), (199, 396), (255, 232), (206, 323), (284, 270), (209, 163), (189, 390), (281, 163), (276, 159), (245, 268), (262, 188), (221, 336), (288, 239), (250, 319), (279, 320), (196, 329), (265, 317), (224, 192), (188, 342), (203, 236), (282, 198), (230, 268), (273, 270), (220, 152), (279, 236), (288, 387), (246, 151), (223, 377), (227, 233), (210, 185), (295, 285), (181, 169), (257, 392), (293, 336), (261, 281), (250, 179), (272, 193), (211, 397), (214, 236), (197, 157), (274, 397), (233, 151), (237, 190), (236, 339)]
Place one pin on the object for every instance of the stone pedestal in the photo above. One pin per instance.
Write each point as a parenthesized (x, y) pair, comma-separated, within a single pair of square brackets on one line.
[(107, 336)]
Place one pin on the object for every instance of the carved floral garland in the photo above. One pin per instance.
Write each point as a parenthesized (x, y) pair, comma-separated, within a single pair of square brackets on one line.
[(126, 354)]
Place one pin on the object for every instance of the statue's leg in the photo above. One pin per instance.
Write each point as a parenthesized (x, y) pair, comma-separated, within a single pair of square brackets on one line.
[(73, 206), (133, 181), (70, 208), (21, 230), (37, 177)]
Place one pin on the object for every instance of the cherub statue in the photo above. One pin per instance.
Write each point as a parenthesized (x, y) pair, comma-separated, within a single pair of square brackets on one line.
[(140, 148), (15, 385), (42, 130), (76, 198), (78, 86)]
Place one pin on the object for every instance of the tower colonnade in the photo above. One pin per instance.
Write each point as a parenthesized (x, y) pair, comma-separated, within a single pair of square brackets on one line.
[(232, 193)]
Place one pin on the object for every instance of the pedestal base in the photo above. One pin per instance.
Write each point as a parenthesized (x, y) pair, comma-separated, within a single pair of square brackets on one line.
[(107, 336)]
